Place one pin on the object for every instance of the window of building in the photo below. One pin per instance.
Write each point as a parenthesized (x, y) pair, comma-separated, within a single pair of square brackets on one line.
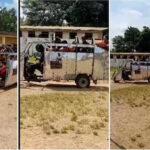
[(88, 35), (72, 35), (118, 56), (124, 56), (44, 35), (31, 34), (59, 34)]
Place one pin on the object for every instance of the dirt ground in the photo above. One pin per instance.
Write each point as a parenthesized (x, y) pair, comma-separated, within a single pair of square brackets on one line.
[(8, 118), (33, 137), (130, 115)]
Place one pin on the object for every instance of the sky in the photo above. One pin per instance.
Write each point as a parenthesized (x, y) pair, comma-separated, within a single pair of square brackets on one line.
[(125, 13), (9, 3)]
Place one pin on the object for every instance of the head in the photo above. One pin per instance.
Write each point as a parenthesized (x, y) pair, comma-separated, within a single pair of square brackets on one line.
[(3, 46), (83, 38), (105, 38), (40, 48)]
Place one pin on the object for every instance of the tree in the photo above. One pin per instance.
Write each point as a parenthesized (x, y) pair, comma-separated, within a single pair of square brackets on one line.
[(144, 42), (131, 38), (83, 13), (8, 20), (75, 13), (118, 44)]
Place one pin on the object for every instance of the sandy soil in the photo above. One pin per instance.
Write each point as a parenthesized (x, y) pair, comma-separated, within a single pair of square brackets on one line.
[(33, 137), (38, 140), (130, 126), (8, 118)]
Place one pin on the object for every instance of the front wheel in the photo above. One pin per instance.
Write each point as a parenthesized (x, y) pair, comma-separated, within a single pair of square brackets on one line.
[(116, 81), (83, 81)]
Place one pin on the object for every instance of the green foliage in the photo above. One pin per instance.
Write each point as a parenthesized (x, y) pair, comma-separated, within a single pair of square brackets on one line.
[(144, 42), (118, 44), (75, 13), (133, 39), (8, 20)]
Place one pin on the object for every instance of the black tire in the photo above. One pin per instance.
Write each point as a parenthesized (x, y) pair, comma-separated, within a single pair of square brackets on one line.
[(82, 81), (116, 81), (148, 79)]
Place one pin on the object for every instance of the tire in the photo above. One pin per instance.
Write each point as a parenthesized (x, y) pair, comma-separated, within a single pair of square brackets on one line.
[(82, 81), (148, 79), (115, 81)]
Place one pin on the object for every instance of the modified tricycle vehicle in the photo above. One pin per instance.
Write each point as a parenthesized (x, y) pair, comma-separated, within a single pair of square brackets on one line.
[(133, 70)]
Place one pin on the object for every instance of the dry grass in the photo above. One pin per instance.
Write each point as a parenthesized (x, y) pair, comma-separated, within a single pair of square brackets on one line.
[(135, 96), (61, 113)]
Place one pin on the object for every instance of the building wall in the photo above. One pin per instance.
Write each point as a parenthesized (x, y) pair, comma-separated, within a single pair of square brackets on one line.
[(0, 40), (66, 36), (8, 39), (11, 40), (97, 35)]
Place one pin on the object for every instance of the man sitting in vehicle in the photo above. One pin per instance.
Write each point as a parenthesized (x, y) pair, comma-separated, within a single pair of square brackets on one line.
[(32, 67), (84, 41), (2, 70), (103, 43), (2, 49)]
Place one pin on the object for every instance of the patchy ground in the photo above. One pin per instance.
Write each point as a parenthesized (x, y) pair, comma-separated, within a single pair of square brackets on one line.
[(63, 116), (130, 115), (8, 118)]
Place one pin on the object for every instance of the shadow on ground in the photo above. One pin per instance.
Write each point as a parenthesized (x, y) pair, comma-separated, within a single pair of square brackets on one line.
[(64, 87), (5, 89)]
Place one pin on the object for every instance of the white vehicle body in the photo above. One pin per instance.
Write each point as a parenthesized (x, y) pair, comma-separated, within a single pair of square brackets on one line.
[(11, 71), (61, 64), (137, 70)]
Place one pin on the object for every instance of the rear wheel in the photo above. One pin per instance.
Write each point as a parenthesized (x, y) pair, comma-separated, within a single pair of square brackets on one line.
[(82, 81), (148, 79)]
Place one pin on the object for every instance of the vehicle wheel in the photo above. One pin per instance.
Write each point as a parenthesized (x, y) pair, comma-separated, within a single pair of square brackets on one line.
[(148, 79), (115, 81), (82, 81)]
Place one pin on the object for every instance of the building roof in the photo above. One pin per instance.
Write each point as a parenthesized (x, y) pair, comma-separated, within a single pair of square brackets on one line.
[(60, 28), (8, 33)]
